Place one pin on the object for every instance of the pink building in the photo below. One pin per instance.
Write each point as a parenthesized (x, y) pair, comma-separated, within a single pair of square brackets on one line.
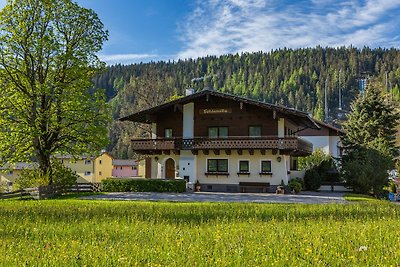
[(124, 168)]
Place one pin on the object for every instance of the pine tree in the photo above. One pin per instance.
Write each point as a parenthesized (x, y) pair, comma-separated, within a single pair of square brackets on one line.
[(369, 142), (371, 120)]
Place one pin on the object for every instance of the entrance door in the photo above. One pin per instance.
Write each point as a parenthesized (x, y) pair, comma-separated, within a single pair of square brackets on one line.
[(170, 169)]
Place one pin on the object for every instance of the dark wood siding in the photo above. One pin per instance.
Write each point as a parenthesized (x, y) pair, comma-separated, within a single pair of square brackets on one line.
[(238, 120), (171, 118), (147, 173), (311, 132)]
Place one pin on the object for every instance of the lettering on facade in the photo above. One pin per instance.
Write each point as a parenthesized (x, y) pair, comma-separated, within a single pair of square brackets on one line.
[(207, 111)]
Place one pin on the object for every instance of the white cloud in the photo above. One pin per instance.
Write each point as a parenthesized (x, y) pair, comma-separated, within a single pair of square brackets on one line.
[(127, 58), (228, 26)]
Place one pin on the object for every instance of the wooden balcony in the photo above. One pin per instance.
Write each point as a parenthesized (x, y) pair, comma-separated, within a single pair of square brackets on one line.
[(287, 145)]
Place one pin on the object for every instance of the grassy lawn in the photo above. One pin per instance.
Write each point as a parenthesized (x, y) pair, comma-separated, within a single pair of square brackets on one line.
[(359, 197), (69, 232)]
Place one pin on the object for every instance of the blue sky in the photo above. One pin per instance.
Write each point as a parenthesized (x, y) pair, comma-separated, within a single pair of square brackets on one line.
[(145, 30)]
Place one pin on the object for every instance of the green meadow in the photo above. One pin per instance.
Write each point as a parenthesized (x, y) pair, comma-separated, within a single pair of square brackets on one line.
[(71, 232)]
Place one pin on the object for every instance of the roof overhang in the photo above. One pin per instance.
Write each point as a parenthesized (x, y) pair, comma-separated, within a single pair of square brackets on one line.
[(150, 115)]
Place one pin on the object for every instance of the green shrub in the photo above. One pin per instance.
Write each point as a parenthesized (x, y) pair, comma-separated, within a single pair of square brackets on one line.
[(295, 185), (143, 185), (312, 180), (33, 177), (62, 175)]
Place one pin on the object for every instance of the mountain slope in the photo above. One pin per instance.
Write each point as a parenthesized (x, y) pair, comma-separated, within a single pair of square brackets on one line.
[(294, 78)]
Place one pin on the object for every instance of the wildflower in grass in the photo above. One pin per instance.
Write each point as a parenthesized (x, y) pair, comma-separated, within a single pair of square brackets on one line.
[(362, 248)]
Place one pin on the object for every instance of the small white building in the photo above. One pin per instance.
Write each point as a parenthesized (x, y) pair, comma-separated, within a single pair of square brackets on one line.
[(326, 138)]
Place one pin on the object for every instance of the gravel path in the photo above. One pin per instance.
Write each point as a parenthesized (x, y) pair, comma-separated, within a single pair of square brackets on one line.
[(303, 197)]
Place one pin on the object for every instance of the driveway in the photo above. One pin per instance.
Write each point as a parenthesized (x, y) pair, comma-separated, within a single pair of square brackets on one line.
[(303, 197)]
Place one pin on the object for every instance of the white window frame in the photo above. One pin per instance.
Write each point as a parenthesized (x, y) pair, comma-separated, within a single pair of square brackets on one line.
[(239, 160), (217, 164), (261, 161)]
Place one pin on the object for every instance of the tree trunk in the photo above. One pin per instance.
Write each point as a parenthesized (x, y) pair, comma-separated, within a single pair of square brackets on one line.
[(45, 166)]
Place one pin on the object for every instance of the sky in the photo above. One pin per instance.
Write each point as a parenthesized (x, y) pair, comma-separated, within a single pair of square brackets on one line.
[(153, 30)]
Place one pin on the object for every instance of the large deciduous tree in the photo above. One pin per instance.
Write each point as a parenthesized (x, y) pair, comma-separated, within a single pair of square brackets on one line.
[(47, 58), (370, 142)]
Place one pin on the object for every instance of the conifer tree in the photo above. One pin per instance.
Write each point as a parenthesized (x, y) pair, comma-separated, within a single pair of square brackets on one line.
[(369, 143), (371, 120)]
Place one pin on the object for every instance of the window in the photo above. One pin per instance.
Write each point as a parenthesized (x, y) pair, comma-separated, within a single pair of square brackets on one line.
[(244, 166), (168, 133), (88, 161), (217, 165), (266, 166), (294, 164), (215, 132), (100, 173), (87, 173), (254, 131), (99, 161)]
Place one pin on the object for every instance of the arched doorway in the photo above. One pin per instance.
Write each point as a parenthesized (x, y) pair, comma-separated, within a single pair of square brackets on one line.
[(170, 169)]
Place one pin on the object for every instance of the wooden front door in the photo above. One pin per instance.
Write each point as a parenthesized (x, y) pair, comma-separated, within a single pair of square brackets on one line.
[(170, 169)]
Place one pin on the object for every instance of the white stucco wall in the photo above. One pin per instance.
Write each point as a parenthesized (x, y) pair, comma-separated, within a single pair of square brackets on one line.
[(333, 144), (281, 127), (278, 168), (188, 122), (154, 130), (187, 165), (158, 166)]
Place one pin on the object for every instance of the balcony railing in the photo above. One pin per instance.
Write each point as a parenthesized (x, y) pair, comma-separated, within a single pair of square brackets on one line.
[(205, 143)]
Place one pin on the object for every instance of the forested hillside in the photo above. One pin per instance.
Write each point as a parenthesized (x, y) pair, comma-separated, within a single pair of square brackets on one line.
[(294, 78)]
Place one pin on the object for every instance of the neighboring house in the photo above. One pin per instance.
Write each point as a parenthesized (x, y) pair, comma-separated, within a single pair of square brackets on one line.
[(10, 172), (124, 168), (327, 138), (222, 140), (103, 167), (89, 169)]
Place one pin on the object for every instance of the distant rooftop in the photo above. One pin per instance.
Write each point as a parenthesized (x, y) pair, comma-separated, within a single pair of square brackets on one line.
[(124, 162), (19, 166)]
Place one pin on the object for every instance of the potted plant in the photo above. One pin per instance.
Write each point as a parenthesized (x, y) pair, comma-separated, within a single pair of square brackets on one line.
[(281, 188), (197, 186)]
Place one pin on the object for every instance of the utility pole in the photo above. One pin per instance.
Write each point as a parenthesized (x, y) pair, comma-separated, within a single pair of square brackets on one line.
[(326, 99), (340, 89), (387, 90)]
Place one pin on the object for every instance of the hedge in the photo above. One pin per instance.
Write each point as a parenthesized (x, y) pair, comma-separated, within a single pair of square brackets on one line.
[(143, 185)]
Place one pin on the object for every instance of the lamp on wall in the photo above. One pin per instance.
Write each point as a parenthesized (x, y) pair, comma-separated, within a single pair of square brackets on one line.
[(278, 159), (156, 158)]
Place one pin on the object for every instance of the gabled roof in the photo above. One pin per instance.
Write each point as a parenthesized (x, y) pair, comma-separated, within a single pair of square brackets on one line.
[(20, 166), (124, 162), (329, 126), (298, 116)]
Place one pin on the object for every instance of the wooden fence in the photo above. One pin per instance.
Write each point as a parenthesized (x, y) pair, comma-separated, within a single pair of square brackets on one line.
[(48, 191)]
